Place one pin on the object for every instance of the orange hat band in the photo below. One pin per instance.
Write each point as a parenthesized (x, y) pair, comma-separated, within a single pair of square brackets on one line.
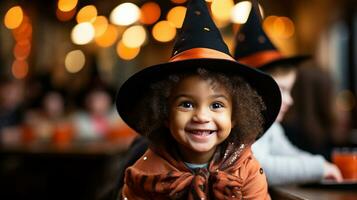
[(197, 53), (258, 59)]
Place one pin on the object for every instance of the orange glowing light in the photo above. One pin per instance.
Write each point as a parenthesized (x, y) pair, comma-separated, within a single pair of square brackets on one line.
[(87, 14), (20, 69), (178, 1), (150, 13), (22, 49), (164, 31), (66, 5), (65, 16), (126, 53), (280, 27), (268, 24), (108, 38), (176, 16), (100, 25), (289, 27), (23, 32), (13, 17)]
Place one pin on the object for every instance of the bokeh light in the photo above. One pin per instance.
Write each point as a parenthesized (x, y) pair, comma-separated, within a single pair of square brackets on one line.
[(125, 14), (24, 31), (22, 49), (87, 14), (100, 25), (82, 33), (221, 9), (74, 61), (20, 69), (66, 5), (176, 16), (150, 13), (164, 31), (108, 38), (13, 17), (268, 23), (126, 53), (280, 27), (178, 1), (289, 27), (240, 12), (134, 36), (65, 16)]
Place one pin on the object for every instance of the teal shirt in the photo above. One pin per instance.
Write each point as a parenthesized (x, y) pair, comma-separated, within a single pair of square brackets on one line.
[(195, 166)]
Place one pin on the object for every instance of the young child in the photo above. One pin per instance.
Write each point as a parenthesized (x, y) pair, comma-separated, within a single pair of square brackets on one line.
[(201, 112), (282, 162), (311, 123)]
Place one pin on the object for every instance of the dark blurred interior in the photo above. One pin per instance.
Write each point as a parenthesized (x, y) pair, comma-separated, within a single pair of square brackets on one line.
[(60, 135)]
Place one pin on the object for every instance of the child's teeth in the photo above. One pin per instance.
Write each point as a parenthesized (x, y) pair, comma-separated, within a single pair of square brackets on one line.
[(202, 132)]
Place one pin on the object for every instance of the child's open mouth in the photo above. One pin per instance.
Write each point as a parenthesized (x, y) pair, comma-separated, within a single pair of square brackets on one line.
[(201, 132)]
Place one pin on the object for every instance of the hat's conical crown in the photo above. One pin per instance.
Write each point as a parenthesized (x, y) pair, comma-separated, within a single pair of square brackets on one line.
[(253, 47), (199, 37)]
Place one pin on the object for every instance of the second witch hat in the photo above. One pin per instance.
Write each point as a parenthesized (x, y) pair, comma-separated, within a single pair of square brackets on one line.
[(254, 48)]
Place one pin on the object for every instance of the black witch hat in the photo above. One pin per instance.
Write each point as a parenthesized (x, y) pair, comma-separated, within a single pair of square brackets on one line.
[(198, 45), (254, 48)]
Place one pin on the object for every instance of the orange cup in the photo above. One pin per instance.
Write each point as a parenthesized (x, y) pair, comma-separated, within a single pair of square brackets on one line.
[(120, 131), (346, 161), (63, 134)]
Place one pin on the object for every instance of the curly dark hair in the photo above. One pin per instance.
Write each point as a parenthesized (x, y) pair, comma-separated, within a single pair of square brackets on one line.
[(246, 109)]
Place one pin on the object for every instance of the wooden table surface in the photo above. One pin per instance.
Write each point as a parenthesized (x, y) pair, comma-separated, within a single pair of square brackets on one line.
[(313, 193)]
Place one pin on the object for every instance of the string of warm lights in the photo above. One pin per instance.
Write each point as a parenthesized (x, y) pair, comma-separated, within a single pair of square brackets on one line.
[(20, 25), (127, 26)]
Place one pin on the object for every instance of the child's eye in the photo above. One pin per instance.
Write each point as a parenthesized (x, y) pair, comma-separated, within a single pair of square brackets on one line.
[(186, 104), (217, 105)]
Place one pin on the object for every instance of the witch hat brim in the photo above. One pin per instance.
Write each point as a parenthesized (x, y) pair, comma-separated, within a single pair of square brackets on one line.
[(293, 60), (268, 60), (199, 45)]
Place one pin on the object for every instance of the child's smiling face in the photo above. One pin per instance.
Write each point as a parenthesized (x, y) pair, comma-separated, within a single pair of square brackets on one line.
[(200, 117)]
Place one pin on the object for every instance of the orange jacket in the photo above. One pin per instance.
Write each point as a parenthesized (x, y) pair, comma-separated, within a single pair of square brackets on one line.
[(157, 175)]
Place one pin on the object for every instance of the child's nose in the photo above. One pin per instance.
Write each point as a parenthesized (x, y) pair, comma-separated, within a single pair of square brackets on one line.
[(201, 115)]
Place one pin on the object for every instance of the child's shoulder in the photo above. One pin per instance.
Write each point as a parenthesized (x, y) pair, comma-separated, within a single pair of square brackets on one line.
[(250, 165)]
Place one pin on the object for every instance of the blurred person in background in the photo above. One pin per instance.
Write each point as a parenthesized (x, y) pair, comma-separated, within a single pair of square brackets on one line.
[(283, 163), (311, 122), (11, 109), (94, 122), (51, 116)]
